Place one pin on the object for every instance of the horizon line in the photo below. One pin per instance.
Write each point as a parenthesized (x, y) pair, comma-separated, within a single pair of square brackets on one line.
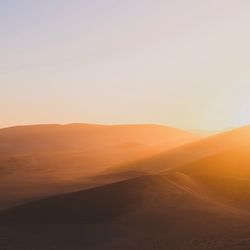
[(193, 130)]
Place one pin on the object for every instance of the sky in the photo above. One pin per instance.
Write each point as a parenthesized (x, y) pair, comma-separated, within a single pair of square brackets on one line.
[(183, 63)]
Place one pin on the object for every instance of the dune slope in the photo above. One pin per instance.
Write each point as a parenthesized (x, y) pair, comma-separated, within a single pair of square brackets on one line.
[(151, 212), (186, 153), (43, 160)]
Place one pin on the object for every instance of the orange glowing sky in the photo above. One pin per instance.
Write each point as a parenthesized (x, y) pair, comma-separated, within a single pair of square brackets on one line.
[(180, 63)]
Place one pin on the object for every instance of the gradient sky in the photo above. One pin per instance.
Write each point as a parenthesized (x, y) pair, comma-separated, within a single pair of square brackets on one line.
[(181, 63)]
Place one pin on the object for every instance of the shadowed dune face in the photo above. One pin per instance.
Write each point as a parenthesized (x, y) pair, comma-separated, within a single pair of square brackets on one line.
[(44, 160), (90, 206), (152, 212)]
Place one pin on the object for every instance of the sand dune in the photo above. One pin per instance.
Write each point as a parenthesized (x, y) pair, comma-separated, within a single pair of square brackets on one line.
[(152, 212), (192, 197), (47, 138), (237, 140), (42, 160), (224, 176)]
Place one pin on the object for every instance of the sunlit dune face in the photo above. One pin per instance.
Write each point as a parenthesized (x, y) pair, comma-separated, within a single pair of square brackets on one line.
[(233, 163), (223, 177)]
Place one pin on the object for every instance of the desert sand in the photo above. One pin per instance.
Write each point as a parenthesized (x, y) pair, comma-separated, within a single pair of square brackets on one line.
[(192, 196), (41, 160)]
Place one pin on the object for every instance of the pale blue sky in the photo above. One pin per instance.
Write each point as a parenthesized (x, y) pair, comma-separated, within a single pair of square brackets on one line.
[(180, 63)]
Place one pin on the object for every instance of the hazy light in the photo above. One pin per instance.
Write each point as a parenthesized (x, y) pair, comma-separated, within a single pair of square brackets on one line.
[(181, 63)]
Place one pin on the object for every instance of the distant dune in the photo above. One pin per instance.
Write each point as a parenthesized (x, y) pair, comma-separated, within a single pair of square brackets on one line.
[(42, 160)]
